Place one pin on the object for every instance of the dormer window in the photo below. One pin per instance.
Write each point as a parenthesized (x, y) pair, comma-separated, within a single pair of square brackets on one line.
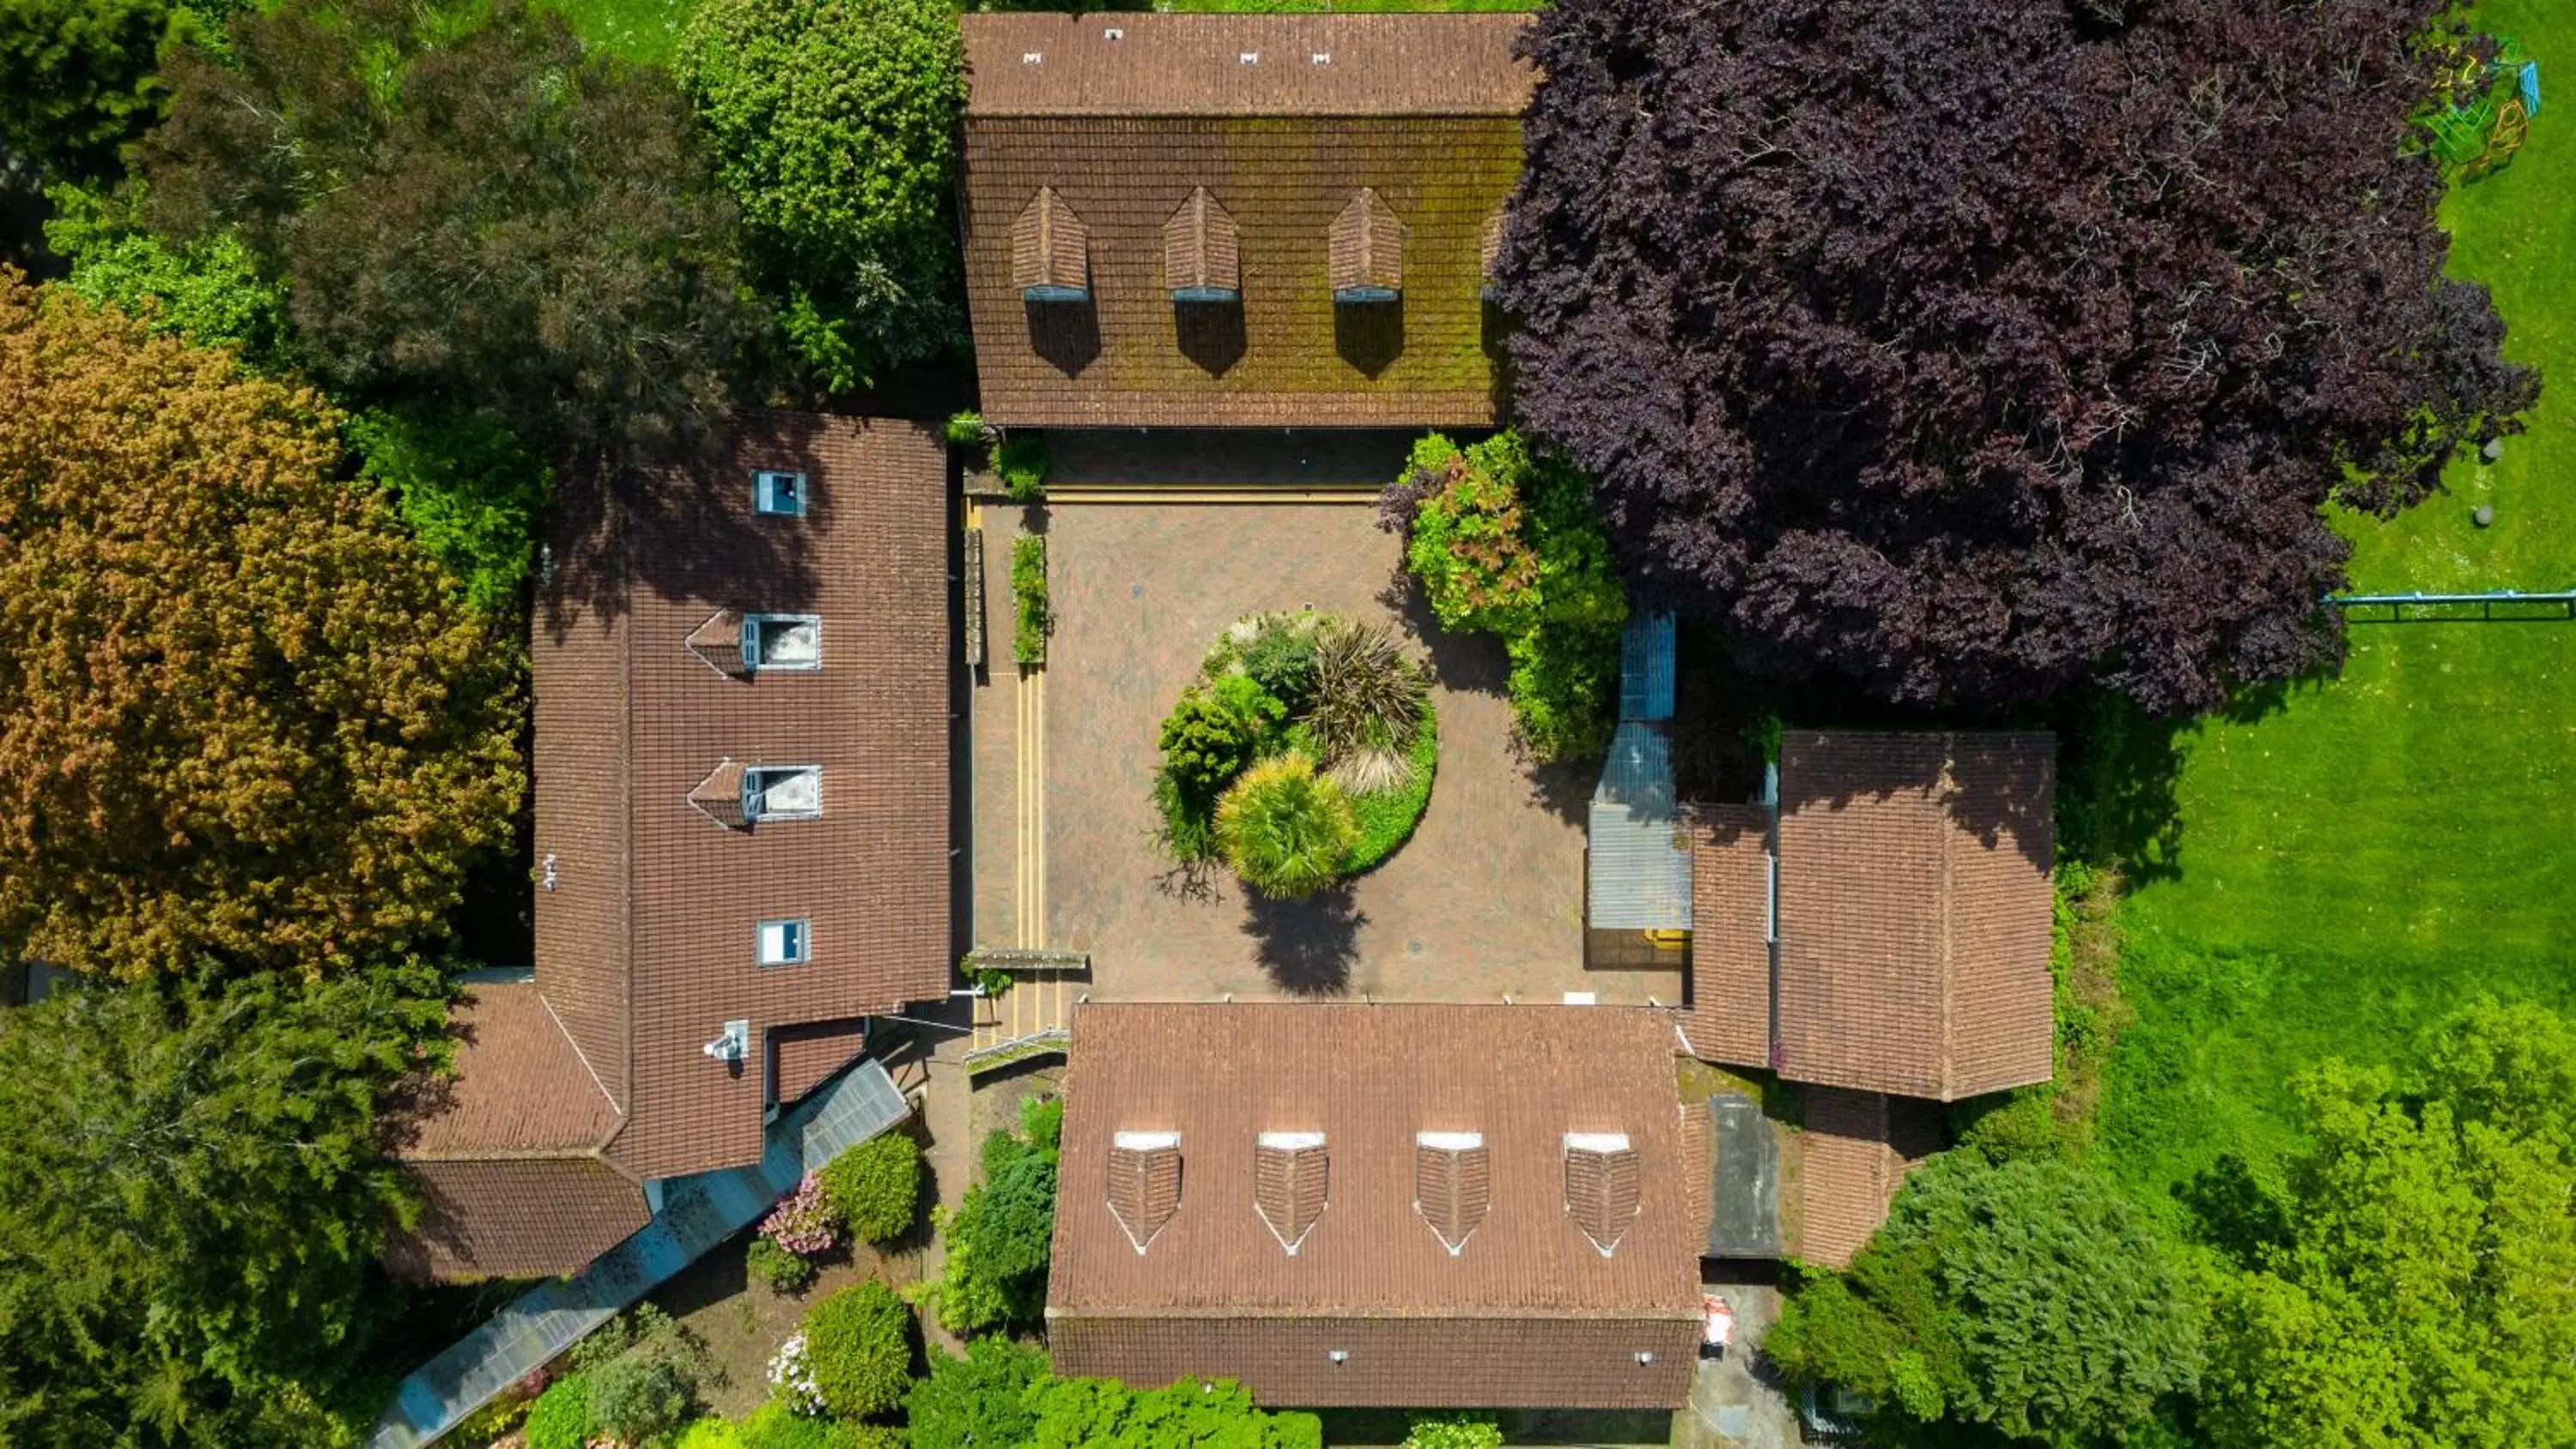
[(1202, 253), (1050, 251), (783, 943), (782, 641), (778, 492), (791, 792), (1367, 251)]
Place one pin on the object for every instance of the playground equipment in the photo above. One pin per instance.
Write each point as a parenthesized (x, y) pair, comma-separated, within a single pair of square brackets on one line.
[(2494, 93)]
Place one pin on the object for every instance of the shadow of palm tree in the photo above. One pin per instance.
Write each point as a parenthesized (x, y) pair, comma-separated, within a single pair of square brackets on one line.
[(1308, 946)]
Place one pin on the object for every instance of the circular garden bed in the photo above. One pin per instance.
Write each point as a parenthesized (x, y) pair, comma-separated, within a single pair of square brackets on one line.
[(1301, 755)]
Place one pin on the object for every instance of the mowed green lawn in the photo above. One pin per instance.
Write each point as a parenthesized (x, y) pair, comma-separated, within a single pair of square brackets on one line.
[(2391, 841), (647, 31)]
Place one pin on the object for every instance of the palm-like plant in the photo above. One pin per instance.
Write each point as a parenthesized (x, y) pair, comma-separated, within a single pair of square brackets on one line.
[(1368, 703), (1286, 829)]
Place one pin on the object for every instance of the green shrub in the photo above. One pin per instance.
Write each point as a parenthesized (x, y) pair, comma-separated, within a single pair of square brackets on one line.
[(1384, 819), (1286, 829), (207, 291), (561, 1419), (876, 1187), (1189, 1411), (1280, 656), (1042, 1122), (1035, 620), (708, 1433), (1207, 740), (1023, 461), (1187, 833), (965, 429), (1369, 698), (1504, 541), (859, 1342), (1453, 1430), (999, 1240), (995, 982), (640, 1395), (777, 1425), (775, 1268), (977, 1401), (1564, 677)]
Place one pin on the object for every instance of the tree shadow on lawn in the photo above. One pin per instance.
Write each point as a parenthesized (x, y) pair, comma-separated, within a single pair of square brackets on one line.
[(1307, 946)]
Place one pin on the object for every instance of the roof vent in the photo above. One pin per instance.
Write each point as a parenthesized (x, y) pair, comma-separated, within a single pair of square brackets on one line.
[(1453, 1184), (1601, 1186), (718, 644), (1290, 1184), (1249, 57), (1367, 251), (1113, 33), (1144, 1182), (719, 796), (1321, 57), (1031, 57), (1202, 258), (1050, 251)]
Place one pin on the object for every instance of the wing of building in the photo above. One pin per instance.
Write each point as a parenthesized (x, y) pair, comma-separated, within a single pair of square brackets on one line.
[(742, 832), (1238, 220), (1353, 1204)]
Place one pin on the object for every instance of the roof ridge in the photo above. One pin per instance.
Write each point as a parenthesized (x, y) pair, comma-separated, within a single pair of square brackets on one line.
[(1946, 797)]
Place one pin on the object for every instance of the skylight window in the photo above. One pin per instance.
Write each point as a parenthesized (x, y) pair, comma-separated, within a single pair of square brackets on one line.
[(775, 491), (782, 641), (782, 793), (785, 943)]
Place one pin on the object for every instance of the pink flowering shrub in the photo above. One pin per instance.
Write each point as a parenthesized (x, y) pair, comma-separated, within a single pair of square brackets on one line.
[(802, 1223)]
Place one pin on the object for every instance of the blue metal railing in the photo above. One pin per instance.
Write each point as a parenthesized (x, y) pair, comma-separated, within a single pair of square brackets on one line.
[(2451, 608)]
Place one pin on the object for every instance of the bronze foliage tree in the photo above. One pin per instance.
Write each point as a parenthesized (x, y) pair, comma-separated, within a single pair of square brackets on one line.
[(1974, 351)]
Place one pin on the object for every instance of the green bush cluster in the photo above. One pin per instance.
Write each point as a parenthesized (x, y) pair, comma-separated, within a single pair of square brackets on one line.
[(1460, 1430), (978, 1399), (1023, 460), (777, 1425), (1344, 702), (1080, 1413), (859, 1342), (640, 1395), (999, 1239), (1286, 829), (1034, 618), (560, 1419), (775, 1268), (875, 1187), (1503, 541)]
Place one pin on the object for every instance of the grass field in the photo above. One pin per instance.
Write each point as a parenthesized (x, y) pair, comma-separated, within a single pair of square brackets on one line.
[(2387, 842), (639, 30)]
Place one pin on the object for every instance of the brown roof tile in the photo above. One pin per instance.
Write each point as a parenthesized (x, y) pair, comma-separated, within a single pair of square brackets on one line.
[(521, 1086), (1729, 1015), (1853, 1155), (1453, 1184), (1383, 168), (1370, 1080), (803, 1057), (1915, 911), (515, 1217), (1034, 64), (645, 940)]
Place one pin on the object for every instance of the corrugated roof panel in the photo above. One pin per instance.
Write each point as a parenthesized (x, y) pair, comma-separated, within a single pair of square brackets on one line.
[(1646, 666), (1639, 861)]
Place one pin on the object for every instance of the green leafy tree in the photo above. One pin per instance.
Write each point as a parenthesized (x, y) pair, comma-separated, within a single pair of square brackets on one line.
[(470, 491), (1206, 741), (1286, 829), (197, 1198), (561, 1417), (978, 1401), (875, 1187), (836, 124), (2423, 1289), (208, 292), (859, 1343), (240, 713), (2029, 1299), (640, 1395), (475, 213), (77, 77)]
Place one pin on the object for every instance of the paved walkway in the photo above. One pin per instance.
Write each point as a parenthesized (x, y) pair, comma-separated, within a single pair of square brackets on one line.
[(1737, 1402)]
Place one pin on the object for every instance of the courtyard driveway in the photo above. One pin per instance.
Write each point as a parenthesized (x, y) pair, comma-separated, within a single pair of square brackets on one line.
[(1486, 900)]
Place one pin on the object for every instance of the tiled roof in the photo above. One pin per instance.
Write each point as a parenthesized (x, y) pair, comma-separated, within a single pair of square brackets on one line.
[(803, 1057), (1915, 911), (1852, 1157), (520, 1085), (1382, 168), (1345, 1094), (1035, 64), (515, 1217), (1729, 1016), (649, 906)]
